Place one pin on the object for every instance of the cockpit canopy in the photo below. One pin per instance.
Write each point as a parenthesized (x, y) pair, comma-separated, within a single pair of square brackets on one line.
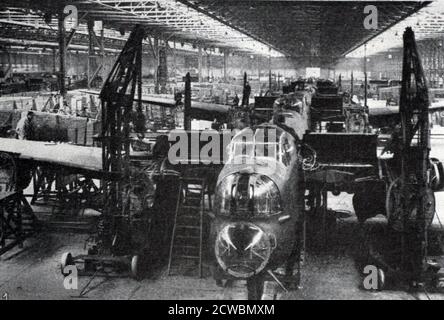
[(264, 142), (291, 102), (290, 110)]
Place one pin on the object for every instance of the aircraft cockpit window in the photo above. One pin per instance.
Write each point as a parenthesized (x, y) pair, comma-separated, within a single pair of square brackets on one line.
[(285, 155), (264, 142), (291, 103), (295, 106), (288, 148)]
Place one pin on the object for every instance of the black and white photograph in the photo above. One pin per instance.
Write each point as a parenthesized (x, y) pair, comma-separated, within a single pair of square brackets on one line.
[(206, 152)]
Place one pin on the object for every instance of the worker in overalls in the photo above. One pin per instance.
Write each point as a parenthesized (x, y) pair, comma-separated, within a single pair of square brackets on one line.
[(25, 127)]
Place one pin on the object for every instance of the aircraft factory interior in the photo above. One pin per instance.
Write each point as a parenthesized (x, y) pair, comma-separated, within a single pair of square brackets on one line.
[(221, 150)]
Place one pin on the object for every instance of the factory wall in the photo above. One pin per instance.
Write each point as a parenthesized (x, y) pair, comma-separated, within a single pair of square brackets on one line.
[(178, 64), (388, 65), (345, 67)]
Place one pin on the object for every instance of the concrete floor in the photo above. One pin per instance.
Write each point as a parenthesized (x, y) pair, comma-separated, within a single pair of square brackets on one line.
[(34, 271)]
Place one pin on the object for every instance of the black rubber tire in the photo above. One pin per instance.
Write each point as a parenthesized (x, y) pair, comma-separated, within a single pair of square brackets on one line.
[(369, 204), (66, 260), (136, 271), (255, 287)]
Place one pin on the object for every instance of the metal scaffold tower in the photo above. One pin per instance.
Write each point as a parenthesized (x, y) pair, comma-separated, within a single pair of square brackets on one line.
[(111, 250), (414, 157), (117, 98)]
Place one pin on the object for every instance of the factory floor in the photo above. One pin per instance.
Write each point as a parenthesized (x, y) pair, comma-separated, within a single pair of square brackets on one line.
[(33, 272)]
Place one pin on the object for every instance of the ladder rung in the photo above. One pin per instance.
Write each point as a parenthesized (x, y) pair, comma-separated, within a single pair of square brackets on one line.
[(187, 256), (193, 180), (194, 188), (187, 227), (191, 207), (186, 247), (193, 198), (191, 202), (187, 237), (184, 238), (188, 216)]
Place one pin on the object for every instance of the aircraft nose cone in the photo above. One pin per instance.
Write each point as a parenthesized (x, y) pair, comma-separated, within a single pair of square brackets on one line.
[(242, 249), (241, 237)]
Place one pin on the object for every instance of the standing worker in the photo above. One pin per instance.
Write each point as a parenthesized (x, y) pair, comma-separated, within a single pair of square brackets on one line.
[(246, 94), (25, 127)]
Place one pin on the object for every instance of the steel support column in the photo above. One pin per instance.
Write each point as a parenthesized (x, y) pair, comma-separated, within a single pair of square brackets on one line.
[(54, 59), (208, 66), (163, 70), (269, 73), (199, 61), (62, 53), (187, 101), (259, 68), (156, 64), (225, 65), (92, 57)]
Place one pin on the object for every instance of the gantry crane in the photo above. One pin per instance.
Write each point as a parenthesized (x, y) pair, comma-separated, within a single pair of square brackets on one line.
[(410, 200), (112, 247)]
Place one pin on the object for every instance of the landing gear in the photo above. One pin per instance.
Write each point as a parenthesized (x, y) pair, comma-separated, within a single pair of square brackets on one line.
[(397, 195), (255, 287), (368, 201)]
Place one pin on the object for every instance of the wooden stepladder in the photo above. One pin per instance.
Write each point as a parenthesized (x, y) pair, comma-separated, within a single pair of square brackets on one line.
[(187, 236)]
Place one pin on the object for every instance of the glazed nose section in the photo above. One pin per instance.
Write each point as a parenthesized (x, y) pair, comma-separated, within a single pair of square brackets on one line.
[(241, 237), (247, 195), (243, 249)]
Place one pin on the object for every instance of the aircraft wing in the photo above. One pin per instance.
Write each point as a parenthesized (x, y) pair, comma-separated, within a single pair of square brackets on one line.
[(378, 108), (59, 154), (381, 115), (199, 110)]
